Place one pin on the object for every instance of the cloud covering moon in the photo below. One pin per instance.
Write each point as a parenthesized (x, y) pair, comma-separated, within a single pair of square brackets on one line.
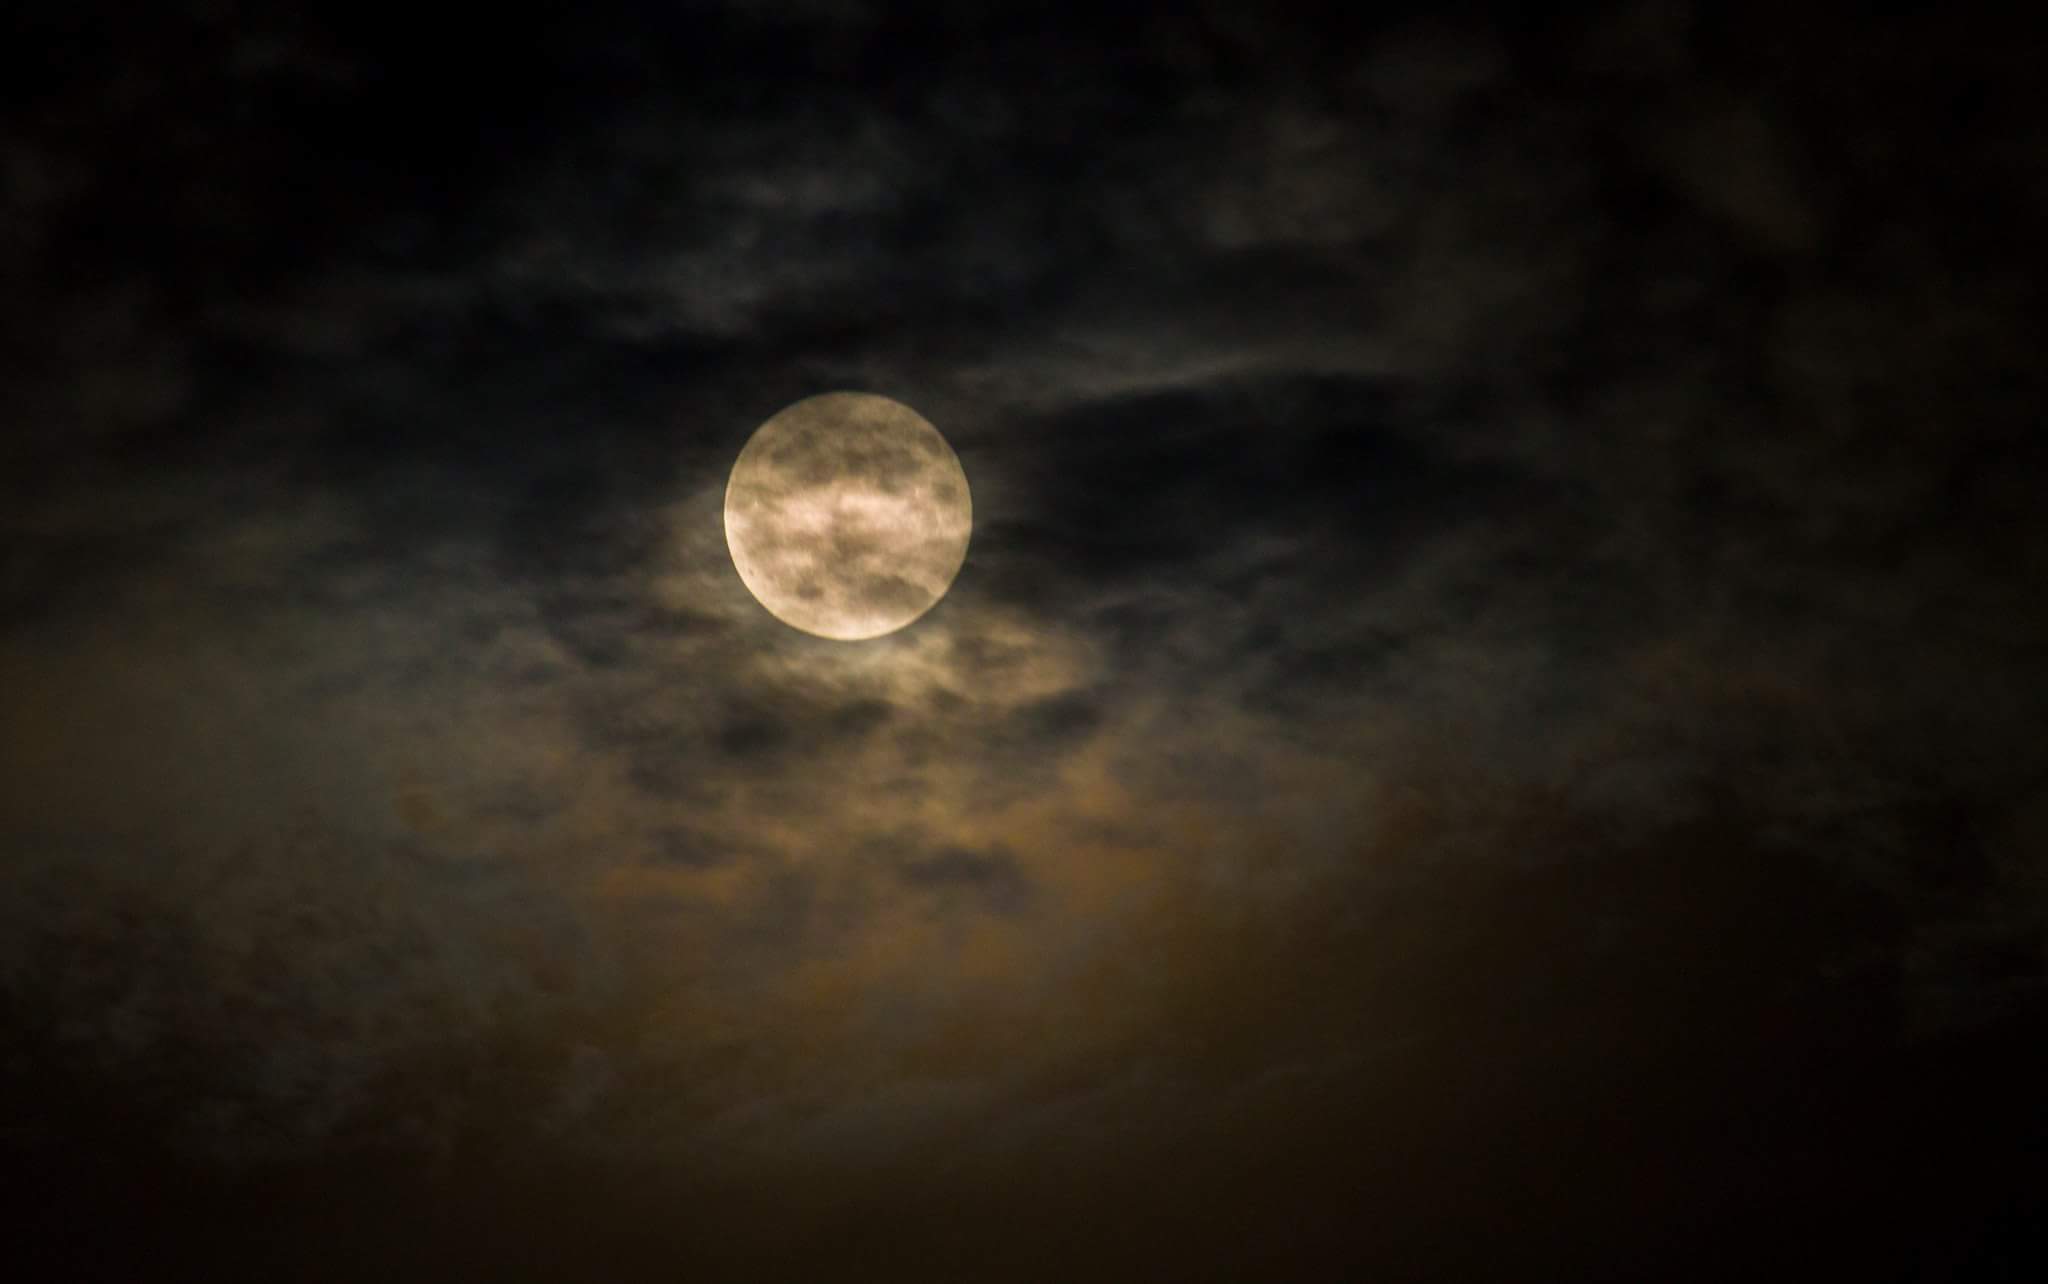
[(1493, 715), (848, 515)]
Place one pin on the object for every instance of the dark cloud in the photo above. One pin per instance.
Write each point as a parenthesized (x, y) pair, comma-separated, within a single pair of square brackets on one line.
[(1489, 724), (1060, 719), (993, 877), (693, 849)]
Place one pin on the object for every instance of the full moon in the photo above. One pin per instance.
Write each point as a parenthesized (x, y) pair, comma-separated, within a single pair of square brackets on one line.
[(847, 515)]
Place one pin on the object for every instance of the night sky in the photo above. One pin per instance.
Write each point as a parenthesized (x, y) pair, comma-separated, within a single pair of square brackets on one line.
[(1491, 727)]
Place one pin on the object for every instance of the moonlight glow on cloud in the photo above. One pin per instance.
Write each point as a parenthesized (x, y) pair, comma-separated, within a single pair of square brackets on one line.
[(1490, 727)]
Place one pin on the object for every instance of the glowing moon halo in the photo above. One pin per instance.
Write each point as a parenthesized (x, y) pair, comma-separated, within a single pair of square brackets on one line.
[(847, 515)]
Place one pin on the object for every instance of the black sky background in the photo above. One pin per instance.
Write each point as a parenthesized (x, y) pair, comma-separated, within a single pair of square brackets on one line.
[(1489, 728)]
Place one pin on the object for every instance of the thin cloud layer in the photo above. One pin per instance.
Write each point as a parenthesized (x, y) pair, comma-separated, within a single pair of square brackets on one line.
[(1499, 638)]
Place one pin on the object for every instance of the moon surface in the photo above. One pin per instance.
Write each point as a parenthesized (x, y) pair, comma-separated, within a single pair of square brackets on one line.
[(847, 515)]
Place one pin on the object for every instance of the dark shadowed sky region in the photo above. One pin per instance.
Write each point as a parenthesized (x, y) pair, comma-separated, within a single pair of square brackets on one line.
[(1489, 729)]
